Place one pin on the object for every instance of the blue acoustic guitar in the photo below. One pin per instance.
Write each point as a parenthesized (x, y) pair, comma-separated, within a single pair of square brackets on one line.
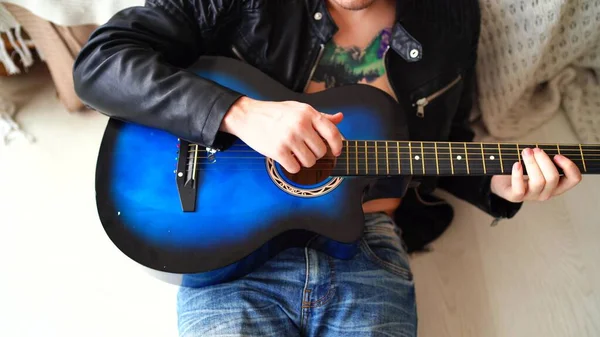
[(200, 217)]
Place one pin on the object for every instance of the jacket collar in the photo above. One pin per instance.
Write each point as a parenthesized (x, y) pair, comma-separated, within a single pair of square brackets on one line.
[(402, 42)]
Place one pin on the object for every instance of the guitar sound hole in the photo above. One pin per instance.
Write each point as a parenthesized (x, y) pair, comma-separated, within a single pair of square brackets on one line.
[(315, 174)]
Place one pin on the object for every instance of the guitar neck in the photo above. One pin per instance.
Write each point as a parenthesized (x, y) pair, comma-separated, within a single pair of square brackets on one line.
[(387, 158)]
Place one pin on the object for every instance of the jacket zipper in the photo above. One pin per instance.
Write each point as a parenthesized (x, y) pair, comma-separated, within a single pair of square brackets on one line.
[(237, 53), (314, 68), (422, 102)]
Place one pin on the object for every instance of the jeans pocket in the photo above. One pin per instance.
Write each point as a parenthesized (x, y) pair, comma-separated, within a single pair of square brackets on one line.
[(382, 245)]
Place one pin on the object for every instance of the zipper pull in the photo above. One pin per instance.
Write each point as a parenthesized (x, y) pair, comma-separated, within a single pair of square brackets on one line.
[(421, 103)]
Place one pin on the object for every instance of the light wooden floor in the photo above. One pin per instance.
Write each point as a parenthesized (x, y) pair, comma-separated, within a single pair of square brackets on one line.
[(536, 275)]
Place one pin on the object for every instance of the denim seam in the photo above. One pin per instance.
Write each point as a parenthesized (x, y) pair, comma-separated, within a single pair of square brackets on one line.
[(397, 270), (304, 312), (330, 293)]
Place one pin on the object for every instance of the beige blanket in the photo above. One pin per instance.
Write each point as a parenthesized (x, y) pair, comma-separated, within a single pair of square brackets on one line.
[(538, 58)]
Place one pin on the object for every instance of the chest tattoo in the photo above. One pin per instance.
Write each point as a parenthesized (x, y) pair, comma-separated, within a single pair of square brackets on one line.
[(342, 65)]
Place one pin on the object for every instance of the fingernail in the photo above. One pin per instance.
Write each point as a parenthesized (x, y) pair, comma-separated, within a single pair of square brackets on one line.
[(538, 150), (516, 167), (527, 152)]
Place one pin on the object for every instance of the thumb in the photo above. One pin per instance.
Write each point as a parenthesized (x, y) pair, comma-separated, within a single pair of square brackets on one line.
[(335, 119), (501, 185)]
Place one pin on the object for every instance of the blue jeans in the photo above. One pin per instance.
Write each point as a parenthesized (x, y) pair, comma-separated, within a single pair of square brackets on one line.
[(303, 292)]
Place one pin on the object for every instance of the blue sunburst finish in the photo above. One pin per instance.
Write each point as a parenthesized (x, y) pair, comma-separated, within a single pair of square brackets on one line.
[(242, 218)]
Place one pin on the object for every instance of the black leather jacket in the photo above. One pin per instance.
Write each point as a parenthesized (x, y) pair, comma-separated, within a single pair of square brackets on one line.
[(132, 68)]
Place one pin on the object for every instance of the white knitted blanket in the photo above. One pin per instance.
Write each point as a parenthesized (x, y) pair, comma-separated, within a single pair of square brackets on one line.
[(537, 58)]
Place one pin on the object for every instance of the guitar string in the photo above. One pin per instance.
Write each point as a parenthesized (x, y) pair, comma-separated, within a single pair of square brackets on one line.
[(405, 157), (457, 151), (393, 166), (383, 161), (470, 145), (383, 171), (461, 148), (417, 142)]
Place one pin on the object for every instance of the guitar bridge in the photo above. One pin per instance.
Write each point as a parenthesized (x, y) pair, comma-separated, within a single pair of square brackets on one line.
[(188, 165)]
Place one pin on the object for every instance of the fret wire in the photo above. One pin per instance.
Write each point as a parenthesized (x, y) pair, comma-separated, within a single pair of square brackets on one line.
[(347, 161), (582, 159), (423, 158), (366, 157), (387, 158), (398, 153), (558, 148), (356, 145), (519, 153), (410, 157), (483, 159), (467, 158), (451, 157), (376, 160), (500, 155), (437, 164)]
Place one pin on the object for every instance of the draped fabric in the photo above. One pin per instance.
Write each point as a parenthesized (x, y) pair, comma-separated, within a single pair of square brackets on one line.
[(538, 58)]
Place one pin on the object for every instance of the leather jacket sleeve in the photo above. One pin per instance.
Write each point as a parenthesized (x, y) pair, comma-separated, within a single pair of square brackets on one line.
[(133, 69), (475, 190)]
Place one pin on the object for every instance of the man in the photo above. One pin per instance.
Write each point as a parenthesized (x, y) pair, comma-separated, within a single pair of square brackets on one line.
[(421, 52)]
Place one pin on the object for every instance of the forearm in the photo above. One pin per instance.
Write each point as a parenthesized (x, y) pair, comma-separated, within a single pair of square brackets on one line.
[(133, 68)]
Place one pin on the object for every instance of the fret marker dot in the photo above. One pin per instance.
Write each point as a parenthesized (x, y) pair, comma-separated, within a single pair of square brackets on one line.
[(492, 157), (417, 157), (459, 157)]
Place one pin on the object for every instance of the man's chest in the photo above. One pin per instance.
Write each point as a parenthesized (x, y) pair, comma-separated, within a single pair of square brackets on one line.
[(361, 62)]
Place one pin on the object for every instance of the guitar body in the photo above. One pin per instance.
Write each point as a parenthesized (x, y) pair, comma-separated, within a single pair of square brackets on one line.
[(245, 208)]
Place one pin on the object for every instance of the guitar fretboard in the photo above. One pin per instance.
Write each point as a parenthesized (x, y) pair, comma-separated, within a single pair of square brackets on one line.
[(388, 158)]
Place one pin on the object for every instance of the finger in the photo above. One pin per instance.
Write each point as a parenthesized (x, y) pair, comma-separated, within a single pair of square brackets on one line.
[(331, 134), (519, 188), (549, 172), (289, 162), (335, 119), (500, 185), (303, 154), (536, 178), (316, 144), (572, 175)]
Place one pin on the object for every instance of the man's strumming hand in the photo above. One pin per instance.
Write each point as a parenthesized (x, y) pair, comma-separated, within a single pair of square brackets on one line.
[(543, 180), (291, 133)]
